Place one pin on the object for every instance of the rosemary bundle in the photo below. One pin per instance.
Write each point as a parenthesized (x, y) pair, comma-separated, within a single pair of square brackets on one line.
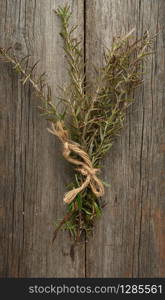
[(87, 123)]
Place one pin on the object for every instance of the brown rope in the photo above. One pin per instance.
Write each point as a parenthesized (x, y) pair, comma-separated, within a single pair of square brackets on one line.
[(86, 168)]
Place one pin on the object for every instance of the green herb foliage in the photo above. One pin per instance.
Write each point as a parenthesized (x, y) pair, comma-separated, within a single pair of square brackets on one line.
[(93, 120)]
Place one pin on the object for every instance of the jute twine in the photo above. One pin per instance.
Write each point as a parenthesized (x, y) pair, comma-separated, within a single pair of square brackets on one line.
[(86, 168)]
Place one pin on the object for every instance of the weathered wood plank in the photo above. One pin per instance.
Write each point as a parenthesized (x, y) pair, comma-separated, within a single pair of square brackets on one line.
[(129, 237), (33, 173)]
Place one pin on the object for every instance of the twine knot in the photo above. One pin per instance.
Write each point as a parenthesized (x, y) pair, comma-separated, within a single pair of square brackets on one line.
[(86, 168)]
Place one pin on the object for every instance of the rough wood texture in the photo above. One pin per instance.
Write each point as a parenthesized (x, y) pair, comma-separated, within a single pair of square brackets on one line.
[(33, 172), (129, 237)]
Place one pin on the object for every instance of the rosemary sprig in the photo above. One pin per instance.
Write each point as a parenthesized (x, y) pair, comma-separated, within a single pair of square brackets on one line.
[(97, 118), (42, 89), (92, 120), (76, 94)]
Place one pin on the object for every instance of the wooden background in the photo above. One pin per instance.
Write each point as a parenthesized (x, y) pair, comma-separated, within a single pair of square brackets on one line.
[(128, 240)]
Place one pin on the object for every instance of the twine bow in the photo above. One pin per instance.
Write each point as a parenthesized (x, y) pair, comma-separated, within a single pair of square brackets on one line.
[(85, 168)]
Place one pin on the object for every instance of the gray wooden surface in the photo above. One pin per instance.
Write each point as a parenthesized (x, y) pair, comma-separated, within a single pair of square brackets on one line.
[(128, 240)]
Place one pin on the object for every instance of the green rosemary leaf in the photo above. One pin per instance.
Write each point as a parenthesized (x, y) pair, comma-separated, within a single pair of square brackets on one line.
[(97, 209), (106, 184), (79, 201)]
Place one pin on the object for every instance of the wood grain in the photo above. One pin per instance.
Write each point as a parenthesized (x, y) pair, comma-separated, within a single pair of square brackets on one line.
[(129, 237), (33, 173)]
